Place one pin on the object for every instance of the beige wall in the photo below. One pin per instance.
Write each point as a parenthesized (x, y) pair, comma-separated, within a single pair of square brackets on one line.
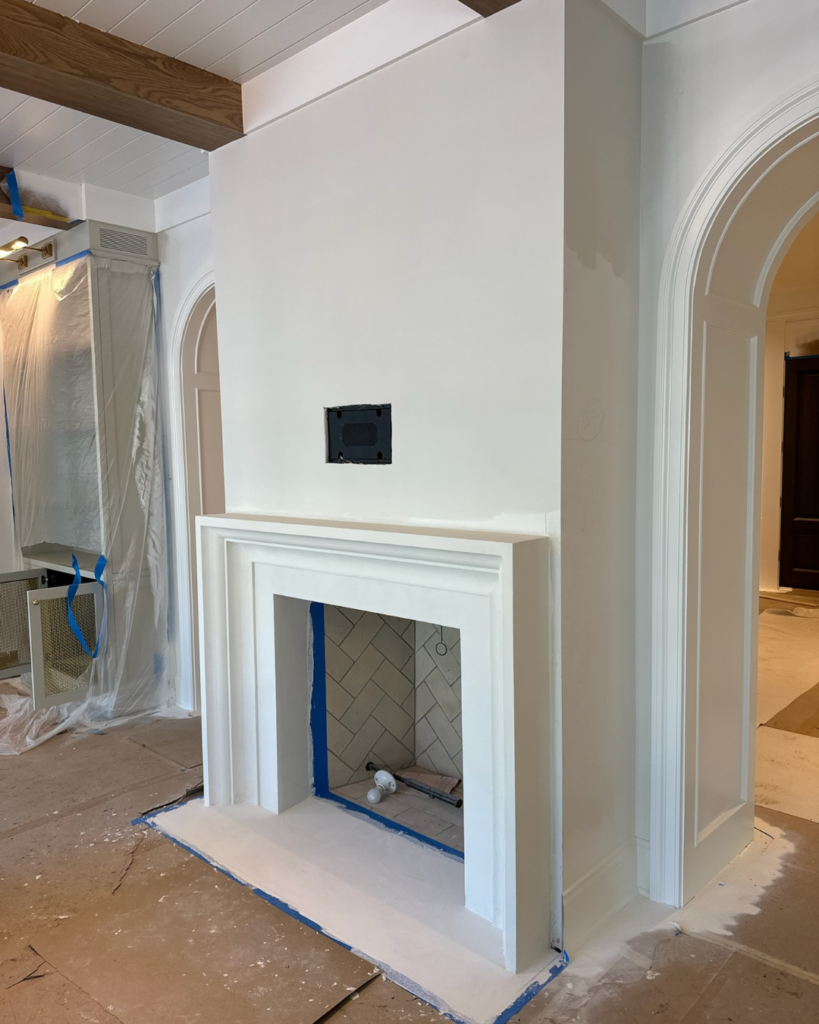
[(599, 463), (793, 327)]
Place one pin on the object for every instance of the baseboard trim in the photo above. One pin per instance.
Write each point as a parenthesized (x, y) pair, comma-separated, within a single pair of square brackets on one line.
[(599, 894)]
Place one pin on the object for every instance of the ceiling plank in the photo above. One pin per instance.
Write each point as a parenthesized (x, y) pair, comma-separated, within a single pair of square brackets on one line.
[(49, 56), (488, 7)]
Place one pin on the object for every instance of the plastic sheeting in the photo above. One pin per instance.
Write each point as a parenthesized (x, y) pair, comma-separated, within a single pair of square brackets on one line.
[(80, 374)]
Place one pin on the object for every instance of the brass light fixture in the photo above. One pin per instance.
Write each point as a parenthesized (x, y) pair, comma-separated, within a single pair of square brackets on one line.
[(11, 252)]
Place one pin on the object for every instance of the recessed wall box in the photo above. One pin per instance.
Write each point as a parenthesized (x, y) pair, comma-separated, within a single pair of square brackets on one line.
[(359, 433)]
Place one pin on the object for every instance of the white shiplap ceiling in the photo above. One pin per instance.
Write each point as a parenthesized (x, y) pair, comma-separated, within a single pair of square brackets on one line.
[(237, 39)]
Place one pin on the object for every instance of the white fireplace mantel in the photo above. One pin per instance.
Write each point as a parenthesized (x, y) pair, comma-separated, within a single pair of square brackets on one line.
[(257, 577)]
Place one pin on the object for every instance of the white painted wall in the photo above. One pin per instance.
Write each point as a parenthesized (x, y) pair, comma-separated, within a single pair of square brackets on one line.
[(377, 38), (664, 15), (603, 60), (703, 83), (400, 240), (186, 258)]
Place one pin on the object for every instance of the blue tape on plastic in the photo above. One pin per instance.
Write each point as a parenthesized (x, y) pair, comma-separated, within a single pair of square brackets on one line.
[(8, 453), (14, 195), (70, 259), (99, 569)]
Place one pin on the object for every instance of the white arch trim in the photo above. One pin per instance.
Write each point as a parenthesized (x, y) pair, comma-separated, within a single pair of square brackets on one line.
[(670, 480), (187, 691)]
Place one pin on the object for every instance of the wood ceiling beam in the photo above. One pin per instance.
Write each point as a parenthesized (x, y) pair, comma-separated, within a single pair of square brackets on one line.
[(49, 56), (488, 7)]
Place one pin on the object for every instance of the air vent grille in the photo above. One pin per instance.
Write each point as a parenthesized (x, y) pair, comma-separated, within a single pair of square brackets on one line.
[(64, 661), (14, 639), (123, 241)]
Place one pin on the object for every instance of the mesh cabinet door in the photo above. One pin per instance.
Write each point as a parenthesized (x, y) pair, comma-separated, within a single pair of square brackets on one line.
[(15, 648), (60, 668)]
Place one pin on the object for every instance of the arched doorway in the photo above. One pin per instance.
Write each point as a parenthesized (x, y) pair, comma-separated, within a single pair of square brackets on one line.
[(202, 428), (707, 470)]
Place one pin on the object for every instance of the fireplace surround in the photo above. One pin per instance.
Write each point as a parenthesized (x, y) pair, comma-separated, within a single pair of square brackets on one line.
[(259, 576)]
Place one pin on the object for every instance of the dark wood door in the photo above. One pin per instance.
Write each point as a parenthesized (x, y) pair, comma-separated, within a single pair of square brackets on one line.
[(799, 539)]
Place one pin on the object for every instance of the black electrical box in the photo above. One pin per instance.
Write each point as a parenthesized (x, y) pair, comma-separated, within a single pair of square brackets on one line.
[(360, 433)]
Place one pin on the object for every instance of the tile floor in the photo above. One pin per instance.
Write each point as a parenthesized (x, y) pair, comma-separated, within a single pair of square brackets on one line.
[(430, 817)]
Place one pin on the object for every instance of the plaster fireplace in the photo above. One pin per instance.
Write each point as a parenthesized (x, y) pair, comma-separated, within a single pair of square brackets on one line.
[(491, 907)]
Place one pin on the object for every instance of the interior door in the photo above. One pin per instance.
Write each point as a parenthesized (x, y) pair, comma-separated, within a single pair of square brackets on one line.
[(799, 537), (723, 531)]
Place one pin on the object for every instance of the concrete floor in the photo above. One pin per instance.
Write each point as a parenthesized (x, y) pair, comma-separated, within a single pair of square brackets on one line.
[(107, 922)]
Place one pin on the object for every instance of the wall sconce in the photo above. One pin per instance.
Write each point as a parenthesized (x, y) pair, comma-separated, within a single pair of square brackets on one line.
[(11, 252)]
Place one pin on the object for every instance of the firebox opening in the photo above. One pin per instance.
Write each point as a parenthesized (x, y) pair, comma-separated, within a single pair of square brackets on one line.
[(387, 692)]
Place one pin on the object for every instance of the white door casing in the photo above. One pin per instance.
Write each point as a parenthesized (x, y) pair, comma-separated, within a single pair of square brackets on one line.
[(726, 248)]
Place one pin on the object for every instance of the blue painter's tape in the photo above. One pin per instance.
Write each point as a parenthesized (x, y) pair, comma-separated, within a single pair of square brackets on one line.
[(148, 820), (102, 561), (286, 908), (14, 195), (8, 454), (70, 259), (59, 263), (392, 825), (529, 994), (318, 704)]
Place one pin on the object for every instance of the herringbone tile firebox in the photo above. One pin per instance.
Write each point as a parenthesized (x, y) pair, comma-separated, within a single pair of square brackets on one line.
[(393, 695)]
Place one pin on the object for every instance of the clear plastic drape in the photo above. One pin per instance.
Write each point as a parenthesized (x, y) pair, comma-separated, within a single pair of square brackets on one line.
[(80, 367)]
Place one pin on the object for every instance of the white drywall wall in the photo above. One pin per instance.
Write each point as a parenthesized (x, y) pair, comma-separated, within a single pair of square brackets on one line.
[(400, 240), (663, 15), (703, 84), (186, 270), (385, 34), (601, 316), (632, 12)]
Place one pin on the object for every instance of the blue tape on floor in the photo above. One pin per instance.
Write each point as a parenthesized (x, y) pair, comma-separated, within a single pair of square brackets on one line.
[(351, 805), (503, 1018), (534, 989)]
